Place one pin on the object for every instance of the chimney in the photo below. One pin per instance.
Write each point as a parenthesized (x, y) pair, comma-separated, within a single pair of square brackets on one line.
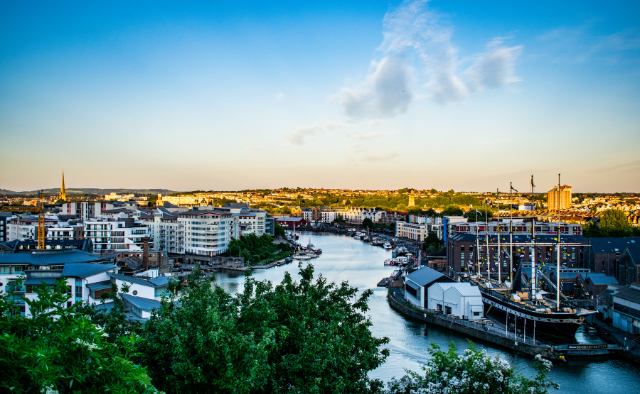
[(145, 254)]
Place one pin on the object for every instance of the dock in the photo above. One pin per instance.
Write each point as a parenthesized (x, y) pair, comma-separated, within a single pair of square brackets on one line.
[(498, 336)]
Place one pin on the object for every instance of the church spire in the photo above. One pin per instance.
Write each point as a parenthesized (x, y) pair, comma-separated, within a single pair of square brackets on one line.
[(63, 193)]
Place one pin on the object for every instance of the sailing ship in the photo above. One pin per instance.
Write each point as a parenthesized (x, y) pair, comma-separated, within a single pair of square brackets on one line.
[(526, 307)]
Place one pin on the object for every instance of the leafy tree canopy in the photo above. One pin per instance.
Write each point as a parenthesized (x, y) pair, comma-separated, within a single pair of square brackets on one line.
[(304, 337), (452, 210), (61, 351), (367, 223), (473, 372), (615, 223)]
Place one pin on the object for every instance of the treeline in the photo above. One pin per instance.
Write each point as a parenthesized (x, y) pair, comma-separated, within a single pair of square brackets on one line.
[(259, 250)]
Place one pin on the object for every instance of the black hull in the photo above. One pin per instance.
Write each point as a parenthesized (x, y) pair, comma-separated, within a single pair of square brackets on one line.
[(562, 325)]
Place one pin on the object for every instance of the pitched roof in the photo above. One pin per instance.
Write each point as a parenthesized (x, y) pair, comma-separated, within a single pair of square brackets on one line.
[(38, 281), (634, 251), (609, 245), (50, 257), (133, 279), (83, 270), (465, 289), (629, 293), (424, 276), (603, 280), (161, 280), (146, 304), (105, 284)]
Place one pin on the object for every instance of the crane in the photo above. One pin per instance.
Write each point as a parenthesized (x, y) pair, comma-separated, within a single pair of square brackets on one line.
[(41, 228)]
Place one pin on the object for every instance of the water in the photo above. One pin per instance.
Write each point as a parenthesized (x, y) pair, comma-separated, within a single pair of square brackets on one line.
[(345, 259)]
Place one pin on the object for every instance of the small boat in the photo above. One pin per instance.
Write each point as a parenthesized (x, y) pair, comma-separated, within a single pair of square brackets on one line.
[(387, 245)]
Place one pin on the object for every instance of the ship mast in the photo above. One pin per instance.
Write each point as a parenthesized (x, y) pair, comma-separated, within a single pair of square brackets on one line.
[(558, 251)]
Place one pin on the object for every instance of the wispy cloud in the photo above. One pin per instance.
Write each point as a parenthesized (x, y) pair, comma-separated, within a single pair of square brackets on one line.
[(298, 136), (252, 145), (379, 157), (369, 136), (579, 44), (280, 96), (413, 29), (376, 122)]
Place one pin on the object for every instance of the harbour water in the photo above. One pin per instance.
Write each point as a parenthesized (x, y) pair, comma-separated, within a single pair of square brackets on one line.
[(346, 259)]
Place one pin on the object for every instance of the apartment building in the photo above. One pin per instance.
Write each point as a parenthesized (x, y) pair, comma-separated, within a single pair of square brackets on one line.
[(559, 198), (116, 234), (207, 232), (516, 226)]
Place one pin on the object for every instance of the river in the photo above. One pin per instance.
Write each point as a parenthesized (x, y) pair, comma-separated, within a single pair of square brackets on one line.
[(346, 259)]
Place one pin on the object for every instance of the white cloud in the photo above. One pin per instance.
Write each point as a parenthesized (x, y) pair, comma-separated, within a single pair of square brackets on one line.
[(384, 93), (494, 68), (280, 96), (376, 122), (298, 135), (412, 29)]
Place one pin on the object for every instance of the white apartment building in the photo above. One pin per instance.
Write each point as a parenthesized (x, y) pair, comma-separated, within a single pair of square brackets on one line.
[(206, 232), (87, 209), (418, 227), (120, 234), (167, 231), (357, 214)]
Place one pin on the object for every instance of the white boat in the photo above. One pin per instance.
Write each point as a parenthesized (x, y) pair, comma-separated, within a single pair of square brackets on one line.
[(387, 245), (302, 257)]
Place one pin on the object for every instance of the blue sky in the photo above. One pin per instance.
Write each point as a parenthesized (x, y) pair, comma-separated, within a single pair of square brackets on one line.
[(446, 94)]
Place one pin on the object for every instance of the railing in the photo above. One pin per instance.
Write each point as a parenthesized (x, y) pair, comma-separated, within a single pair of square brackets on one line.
[(474, 325)]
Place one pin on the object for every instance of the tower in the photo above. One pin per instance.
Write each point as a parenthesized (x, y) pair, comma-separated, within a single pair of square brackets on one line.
[(63, 193)]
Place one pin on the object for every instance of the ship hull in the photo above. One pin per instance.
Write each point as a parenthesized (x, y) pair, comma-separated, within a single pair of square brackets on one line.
[(557, 324)]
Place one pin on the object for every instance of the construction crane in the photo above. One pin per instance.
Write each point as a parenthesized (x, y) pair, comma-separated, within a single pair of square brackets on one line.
[(41, 228)]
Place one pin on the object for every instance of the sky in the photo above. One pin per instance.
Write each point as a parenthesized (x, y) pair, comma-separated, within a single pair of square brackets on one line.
[(462, 95)]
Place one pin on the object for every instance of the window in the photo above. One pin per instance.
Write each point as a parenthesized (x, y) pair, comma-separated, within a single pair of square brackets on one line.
[(135, 292), (476, 313), (78, 291)]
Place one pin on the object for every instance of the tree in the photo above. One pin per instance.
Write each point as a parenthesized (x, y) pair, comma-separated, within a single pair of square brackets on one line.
[(471, 372), (367, 223), (59, 350), (432, 243), (478, 215), (339, 219), (615, 223), (452, 210), (279, 231), (300, 337)]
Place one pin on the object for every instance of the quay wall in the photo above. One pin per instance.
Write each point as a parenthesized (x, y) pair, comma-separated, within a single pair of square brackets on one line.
[(545, 351)]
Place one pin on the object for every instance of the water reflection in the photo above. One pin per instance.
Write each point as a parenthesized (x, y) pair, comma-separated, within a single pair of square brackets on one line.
[(345, 259)]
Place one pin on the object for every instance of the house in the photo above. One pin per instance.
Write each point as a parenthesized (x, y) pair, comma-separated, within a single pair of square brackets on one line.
[(626, 308), (596, 284), (151, 289), (140, 307), (603, 254), (628, 271), (416, 285), (458, 299)]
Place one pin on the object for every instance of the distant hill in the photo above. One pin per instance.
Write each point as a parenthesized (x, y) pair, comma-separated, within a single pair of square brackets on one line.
[(89, 190)]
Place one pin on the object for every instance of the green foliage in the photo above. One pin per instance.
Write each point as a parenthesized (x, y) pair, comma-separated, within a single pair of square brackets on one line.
[(615, 223), (472, 215), (367, 223), (432, 243), (16, 203), (256, 249), (339, 219), (279, 231), (452, 210), (59, 350), (471, 372), (300, 337)]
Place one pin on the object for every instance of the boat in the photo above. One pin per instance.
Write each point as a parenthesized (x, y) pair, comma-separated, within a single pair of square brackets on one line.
[(387, 246), (539, 312)]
